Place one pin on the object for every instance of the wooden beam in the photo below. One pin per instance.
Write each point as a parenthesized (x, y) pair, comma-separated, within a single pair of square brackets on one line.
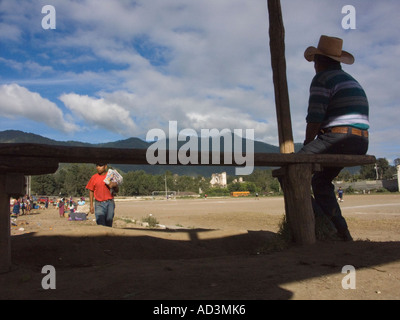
[(278, 62), (28, 165), (65, 154), (20, 157), (325, 160)]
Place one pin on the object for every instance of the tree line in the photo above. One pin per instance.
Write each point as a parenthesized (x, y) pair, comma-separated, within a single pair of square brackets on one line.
[(71, 180), (381, 170)]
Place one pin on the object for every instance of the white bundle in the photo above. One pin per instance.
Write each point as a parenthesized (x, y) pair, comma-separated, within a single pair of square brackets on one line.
[(113, 176)]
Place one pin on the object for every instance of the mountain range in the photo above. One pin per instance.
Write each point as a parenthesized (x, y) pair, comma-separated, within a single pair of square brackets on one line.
[(16, 136)]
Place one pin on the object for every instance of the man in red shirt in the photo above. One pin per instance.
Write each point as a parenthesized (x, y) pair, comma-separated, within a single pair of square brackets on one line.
[(101, 196)]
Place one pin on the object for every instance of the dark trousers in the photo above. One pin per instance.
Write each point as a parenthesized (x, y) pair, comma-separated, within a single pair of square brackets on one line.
[(322, 186)]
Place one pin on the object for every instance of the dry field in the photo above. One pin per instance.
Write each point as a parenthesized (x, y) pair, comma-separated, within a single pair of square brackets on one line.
[(210, 249)]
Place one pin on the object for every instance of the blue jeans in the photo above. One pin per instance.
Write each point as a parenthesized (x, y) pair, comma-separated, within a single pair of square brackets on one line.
[(104, 212), (323, 188)]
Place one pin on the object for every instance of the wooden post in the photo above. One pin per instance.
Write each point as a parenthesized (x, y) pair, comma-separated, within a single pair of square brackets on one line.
[(296, 184), (296, 181), (278, 61), (5, 237), (11, 184)]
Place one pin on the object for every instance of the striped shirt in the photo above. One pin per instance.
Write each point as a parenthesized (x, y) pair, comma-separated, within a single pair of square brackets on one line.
[(337, 99)]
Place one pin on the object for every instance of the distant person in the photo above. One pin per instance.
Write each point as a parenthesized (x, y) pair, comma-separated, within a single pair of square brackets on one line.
[(337, 121), (100, 197), (61, 209), (340, 194), (23, 206), (28, 205), (71, 207), (16, 207)]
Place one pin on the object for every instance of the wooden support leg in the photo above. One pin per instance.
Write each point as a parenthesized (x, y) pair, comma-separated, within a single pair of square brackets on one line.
[(296, 184), (5, 237), (10, 184)]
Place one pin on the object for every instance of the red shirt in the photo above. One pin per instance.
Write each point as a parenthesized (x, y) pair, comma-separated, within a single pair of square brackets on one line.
[(99, 187)]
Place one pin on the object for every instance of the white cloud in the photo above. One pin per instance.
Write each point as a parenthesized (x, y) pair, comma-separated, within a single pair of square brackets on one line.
[(101, 113), (9, 32), (31, 67), (17, 101)]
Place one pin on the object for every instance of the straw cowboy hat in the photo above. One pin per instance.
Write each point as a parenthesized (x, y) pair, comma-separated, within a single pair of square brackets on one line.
[(330, 47)]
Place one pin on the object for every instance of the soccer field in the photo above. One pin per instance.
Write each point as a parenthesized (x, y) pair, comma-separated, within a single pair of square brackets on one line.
[(248, 213)]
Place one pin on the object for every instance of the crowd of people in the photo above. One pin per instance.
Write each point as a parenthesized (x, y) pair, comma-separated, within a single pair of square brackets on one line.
[(24, 205), (21, 206), (64, 205)]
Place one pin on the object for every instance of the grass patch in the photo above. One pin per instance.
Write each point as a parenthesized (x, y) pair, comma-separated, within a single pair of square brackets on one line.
[(127, 220), (151, 221), (324, 229)]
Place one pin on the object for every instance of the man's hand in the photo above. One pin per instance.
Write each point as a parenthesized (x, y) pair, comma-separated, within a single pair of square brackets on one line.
[(113, 185), (91, 211), (312, 131)]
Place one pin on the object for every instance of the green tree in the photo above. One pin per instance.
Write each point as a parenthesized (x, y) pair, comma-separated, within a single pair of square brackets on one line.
[(69, 180), (76, 179), (233, 187), (380, 170), (44, 185), (186, 183), (140, 183), (368, 172), (344, 175), (263, 180)]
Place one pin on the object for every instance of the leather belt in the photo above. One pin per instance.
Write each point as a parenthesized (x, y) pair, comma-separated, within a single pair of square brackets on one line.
[(345, 130)]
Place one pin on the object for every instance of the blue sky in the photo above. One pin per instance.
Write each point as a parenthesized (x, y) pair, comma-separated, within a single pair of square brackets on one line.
[(117, 69)]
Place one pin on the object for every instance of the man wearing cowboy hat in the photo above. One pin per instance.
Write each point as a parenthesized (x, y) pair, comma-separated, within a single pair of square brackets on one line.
[(337, 121)]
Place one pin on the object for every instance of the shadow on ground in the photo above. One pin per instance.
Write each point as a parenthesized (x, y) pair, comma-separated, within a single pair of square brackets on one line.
[(143, 264)]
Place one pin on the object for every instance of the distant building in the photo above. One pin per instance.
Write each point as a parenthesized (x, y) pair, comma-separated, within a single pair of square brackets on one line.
[(219, 180), (238, 181)]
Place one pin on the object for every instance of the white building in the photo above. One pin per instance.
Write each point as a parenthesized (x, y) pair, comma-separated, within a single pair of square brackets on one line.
[(398, 176), (219, 180)]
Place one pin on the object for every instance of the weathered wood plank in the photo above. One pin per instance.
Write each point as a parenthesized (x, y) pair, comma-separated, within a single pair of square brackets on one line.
[(329, 160), (62, 154), (28, 165)]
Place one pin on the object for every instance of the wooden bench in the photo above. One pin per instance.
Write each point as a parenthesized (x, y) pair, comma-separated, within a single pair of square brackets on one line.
[(20, 160)]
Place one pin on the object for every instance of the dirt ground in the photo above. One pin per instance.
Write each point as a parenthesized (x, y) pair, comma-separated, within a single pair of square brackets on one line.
[(209, 249)]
